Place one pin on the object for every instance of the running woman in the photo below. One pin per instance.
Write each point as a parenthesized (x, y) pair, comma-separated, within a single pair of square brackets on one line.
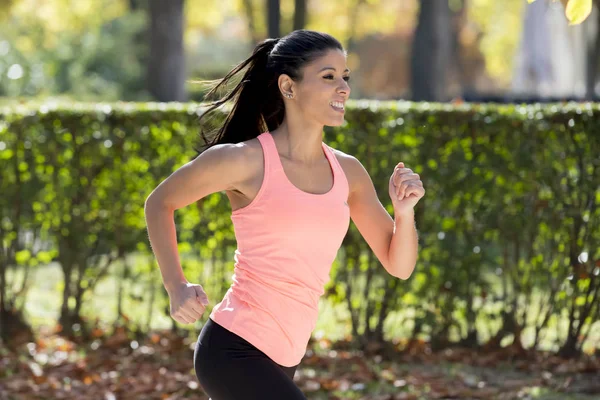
[(292, 197)]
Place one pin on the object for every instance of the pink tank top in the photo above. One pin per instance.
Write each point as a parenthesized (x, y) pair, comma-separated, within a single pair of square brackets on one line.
[(287, 240)]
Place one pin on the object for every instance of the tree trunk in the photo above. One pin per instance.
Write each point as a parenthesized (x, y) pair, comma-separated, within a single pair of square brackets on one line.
[(472, 338), (140, 39), (124, 278), (69, 267), (593, 59), (2, 279), (458, 20), (273, 18), (78, 303), (350, 259), (431, 51), (300, 11), (14, 331), (153, 288), (166, 65), (570, 349), (3, 311), (385, 306), (64, 308)]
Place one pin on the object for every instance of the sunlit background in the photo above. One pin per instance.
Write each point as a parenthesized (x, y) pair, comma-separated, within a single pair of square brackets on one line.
[(465, 49), (503, 303)]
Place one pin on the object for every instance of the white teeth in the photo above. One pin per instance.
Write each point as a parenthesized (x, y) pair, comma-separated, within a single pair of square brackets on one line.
[(337, 104)]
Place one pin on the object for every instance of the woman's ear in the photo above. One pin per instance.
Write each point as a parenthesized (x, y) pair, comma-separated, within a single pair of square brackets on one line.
[(286, 85)]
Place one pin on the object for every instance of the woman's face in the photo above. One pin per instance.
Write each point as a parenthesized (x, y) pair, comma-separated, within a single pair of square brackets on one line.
[(322, 93)]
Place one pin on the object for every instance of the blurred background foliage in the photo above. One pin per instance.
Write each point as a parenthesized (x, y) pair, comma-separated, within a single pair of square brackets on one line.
[(98, 105), (510, 253), (99, 49)]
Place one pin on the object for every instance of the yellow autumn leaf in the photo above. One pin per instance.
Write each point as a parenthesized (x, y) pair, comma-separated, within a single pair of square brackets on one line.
[(578, 10)]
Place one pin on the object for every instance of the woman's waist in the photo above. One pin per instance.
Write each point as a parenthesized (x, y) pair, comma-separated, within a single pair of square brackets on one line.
[(275, 297), (296, 282), (264, 314), (290, 276)]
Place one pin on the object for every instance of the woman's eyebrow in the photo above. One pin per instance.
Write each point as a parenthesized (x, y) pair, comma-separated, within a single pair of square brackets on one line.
[(325, 68)]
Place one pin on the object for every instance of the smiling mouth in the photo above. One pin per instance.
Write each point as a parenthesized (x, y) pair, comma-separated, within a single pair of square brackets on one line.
[(337, 106)]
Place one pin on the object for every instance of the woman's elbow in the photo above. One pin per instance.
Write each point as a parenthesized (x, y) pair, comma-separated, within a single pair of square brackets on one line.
[(402, 272), (153, 203)]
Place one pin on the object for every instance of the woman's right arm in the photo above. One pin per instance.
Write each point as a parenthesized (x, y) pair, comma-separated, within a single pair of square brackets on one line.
[(217, 169)]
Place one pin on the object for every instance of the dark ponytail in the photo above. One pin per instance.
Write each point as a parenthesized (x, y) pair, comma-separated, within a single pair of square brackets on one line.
[(257, 103)]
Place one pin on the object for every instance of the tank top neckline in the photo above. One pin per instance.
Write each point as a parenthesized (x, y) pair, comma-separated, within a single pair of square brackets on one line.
[(279, 164)]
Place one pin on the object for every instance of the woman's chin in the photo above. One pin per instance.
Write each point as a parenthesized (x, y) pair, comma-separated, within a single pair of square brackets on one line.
[(335, 121)]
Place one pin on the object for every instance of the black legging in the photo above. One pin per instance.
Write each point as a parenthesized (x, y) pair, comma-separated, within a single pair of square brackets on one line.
[(230, 368)]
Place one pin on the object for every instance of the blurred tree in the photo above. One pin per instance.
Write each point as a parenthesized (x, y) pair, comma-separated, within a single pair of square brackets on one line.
[(140, 42), (300, 14), (343, 19), (54, 49), (274, 18), (431, 51), (276, 24), (166, 64), (347, 20), (350, 20), (560, 57), (593, 58), (578, 11), (458, 10)]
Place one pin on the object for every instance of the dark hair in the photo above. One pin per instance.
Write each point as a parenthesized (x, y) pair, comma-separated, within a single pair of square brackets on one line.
[(257, 102)]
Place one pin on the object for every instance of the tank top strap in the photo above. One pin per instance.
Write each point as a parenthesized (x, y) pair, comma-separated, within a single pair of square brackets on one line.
[(271, 157), (338, 171)]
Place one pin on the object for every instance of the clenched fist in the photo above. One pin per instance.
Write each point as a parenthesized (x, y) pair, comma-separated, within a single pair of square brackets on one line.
[(188, 302), (406, 189)]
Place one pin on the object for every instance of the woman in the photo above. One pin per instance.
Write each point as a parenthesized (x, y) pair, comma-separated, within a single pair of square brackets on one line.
[(292, 197)]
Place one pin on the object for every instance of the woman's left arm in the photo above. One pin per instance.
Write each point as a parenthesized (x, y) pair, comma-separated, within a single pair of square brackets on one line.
[(393, 240)]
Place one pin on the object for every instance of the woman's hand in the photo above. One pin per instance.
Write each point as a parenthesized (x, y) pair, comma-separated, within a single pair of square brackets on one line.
[(405, 189), (188, 302)]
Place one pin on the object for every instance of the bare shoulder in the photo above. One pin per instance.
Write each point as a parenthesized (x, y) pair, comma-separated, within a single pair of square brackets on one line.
[(355, 172), (250, 155), (226, 166), (235, 153), (238, 158), (345, 159)]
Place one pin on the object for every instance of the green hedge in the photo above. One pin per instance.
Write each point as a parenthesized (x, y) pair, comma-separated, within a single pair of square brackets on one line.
[(509, 228)]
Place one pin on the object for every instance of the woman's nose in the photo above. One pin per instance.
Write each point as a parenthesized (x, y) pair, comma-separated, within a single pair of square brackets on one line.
[(344, 88)]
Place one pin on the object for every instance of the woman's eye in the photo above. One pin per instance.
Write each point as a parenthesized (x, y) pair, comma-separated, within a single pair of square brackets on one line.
[(346, 78)]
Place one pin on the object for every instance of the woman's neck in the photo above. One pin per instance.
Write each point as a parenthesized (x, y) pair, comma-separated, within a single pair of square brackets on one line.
[(302, 143)]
